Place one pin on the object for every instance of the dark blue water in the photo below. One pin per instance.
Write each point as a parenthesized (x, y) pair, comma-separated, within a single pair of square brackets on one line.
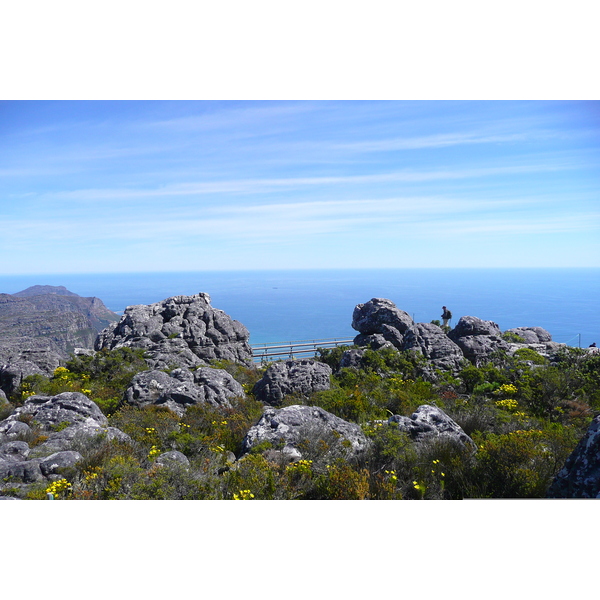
[(315, 304)]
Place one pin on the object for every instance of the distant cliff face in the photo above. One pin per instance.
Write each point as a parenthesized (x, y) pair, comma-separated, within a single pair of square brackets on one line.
[(50, 317), (57, 298)]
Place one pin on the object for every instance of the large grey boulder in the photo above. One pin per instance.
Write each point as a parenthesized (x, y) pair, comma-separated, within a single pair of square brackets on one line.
[(12, 373), (53, 464), (182, 331), (430, 341), (66, 408), (380, 316), (477, 339), (537, 339), (375, 341), (14, 451), (172, 459), (352, 358), (302, 377), (78, 437), (431, 423), (182, 388), (531, 335), (580, 475), (308, 432), (71, 424), (26, 471), (13, 429)]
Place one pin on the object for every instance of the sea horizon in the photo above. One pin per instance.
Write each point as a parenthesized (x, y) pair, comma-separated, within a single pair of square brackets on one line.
[(305, 304)]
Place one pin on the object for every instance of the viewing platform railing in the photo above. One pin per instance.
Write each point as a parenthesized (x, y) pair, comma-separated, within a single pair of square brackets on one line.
[(288, 350), (280, 350)]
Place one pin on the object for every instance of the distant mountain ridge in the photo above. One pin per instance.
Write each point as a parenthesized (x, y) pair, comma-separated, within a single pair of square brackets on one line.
[(40, 290), (58, 298), (50, 317)]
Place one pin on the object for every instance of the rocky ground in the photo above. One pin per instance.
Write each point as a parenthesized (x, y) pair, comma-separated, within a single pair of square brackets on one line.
[(182, 337)]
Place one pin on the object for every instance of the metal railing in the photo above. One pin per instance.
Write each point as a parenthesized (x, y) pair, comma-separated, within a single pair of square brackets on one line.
[(279, 350)]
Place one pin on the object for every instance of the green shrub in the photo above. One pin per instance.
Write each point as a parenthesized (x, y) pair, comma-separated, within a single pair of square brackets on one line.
[(527, 354), (342, 481), (511, 336)]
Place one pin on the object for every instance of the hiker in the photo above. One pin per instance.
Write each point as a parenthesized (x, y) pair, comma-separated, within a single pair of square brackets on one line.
[(593, 345), (446, 316)]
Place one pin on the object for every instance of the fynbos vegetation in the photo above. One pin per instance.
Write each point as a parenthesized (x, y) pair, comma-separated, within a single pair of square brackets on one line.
[(402, 416), (525, 417)]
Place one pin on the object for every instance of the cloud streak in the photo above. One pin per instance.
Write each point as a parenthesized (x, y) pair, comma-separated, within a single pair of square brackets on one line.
[(141, 181), (253, 186)]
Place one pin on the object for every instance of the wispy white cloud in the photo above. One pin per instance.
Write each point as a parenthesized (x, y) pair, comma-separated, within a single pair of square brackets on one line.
[(215, 117), (410, 217), (300, 175), (431, 141), (253, 186)]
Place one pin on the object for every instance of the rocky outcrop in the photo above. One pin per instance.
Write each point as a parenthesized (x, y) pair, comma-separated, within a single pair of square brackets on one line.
[(182, 331), (379, 320), (182, 388), (580, 476), (381, 324), (535, 338), (52, 465), (430, 423), (430, 341), (50, 411), (298, 377), (13, 373), (477, 338), (63, 426), (308, 432), (172, 459), (531, 335), (77, 437)]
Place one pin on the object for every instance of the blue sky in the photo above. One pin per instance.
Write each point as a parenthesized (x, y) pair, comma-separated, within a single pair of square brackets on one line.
[(123, 186)]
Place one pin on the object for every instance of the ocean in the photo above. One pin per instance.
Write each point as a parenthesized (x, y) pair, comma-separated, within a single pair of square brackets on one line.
[(279, 306)]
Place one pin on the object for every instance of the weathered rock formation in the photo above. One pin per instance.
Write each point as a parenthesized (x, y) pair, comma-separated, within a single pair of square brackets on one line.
[(580, 476), (182, 388), (428, 423), (79, 422), (477, 338), (379, 321), (430, 341), (182, 331), (308, 432), (300, 377), (535, 338), (382, 324), (49, 411), (15, 366)]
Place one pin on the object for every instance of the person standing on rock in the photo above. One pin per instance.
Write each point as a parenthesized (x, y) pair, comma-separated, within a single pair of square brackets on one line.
[(446, 316)]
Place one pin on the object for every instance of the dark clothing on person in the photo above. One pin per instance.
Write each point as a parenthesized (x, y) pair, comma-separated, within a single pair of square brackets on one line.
[(446, 316)]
